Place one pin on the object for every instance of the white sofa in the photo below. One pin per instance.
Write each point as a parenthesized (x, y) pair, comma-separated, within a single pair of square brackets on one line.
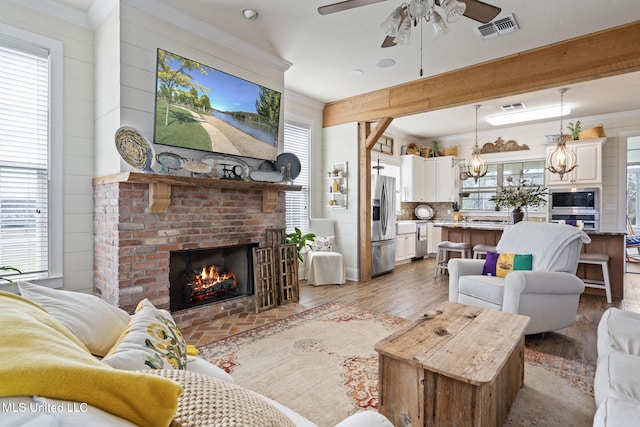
[(85, 335), (617, 381)]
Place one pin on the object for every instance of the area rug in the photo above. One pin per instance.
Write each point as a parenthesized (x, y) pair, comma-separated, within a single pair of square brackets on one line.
[(321, 363)]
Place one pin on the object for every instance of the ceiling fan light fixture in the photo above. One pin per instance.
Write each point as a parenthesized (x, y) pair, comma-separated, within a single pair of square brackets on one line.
[(404, 33), (392, 23), (439, 26), (454, 9), (419, 8)]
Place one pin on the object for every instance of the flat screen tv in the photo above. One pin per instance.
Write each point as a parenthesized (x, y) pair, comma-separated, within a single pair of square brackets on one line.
[(201, 108)]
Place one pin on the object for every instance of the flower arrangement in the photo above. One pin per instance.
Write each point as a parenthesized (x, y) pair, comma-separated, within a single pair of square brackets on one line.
[(519, 194)]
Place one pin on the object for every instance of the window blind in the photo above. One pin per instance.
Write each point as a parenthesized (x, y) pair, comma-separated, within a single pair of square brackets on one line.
[(24, 157), (297, 140)]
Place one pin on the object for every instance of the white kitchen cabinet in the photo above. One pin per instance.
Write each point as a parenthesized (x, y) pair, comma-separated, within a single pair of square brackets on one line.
[(412, 178), (589, 161), (405, 247), (440, 179)]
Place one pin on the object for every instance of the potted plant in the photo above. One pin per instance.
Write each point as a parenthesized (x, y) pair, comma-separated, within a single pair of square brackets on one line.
[(435, 148), (575, 130), (301, 241), (7, 268), (518, 195)]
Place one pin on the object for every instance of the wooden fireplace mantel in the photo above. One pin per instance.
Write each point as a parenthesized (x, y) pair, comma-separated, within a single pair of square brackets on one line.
[(160, 187)]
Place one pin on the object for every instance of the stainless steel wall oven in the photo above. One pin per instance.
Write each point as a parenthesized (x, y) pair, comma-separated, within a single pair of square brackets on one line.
[(575, 204)]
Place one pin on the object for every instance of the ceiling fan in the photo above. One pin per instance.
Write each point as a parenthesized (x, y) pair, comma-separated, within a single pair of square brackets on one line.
[(476, 9), (415, 10)]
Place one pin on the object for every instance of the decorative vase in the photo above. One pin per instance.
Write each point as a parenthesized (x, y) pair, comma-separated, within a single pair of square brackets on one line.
[(516, 216)]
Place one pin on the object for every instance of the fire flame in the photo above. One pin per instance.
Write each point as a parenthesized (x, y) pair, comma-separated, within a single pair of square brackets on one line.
[(209, 276)]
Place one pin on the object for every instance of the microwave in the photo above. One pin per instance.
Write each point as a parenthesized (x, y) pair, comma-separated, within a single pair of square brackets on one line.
[(574, 200)]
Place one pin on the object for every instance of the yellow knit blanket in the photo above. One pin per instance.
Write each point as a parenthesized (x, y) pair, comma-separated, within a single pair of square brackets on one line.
[(41, 357)]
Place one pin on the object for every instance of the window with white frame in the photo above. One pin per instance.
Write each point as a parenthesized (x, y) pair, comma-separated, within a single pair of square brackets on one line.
[(25, 154), (476, 195), (297, 140)]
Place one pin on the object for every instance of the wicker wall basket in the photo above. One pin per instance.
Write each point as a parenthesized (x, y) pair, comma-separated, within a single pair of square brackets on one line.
[(592, 133)]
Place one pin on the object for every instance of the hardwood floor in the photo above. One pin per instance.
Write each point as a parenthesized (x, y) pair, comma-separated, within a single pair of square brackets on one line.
[(410, 291)]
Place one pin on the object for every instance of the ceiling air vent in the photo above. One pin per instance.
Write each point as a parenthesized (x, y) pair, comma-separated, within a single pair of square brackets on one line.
[(513, 107), (498, 27)]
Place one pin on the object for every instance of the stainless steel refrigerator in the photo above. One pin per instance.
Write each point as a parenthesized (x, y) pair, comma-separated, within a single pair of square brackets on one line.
[(383, 224)]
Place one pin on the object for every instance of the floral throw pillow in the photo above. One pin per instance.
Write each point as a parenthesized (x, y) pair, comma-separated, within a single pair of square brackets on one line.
[(324, 244), (150, 341)]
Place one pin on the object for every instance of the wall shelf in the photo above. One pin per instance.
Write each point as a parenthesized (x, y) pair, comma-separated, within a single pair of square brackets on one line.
[(337, 185), (160, 187)]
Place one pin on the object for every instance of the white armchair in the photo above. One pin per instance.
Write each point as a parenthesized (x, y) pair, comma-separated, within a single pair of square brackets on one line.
[(548, 294), (324, 266)]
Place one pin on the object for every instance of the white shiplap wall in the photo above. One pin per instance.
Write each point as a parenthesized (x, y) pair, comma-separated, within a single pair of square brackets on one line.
[(78, 131)]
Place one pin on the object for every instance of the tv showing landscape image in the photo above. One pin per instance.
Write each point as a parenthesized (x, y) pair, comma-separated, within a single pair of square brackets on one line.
[(201, 108)]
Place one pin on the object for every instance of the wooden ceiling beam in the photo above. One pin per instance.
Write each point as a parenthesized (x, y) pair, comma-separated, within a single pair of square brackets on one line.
[(602, 54)]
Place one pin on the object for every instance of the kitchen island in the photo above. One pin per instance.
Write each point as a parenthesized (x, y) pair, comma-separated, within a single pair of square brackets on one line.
[(611, 243)]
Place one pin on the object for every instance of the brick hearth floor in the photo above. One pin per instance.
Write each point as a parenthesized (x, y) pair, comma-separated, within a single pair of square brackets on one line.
[(209, 332)]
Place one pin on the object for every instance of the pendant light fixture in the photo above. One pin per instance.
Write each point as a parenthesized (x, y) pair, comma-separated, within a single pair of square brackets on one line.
[(476, 167), (562, 160)]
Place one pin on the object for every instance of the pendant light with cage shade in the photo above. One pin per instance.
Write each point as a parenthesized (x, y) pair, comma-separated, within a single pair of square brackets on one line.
[(476, 167), (562, 160)]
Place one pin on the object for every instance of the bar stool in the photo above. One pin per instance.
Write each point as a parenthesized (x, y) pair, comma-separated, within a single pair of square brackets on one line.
[(480, 249), (442, 254), (601, 260)]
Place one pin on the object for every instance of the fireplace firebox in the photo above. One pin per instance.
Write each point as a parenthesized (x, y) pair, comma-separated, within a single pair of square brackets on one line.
[(205, 276)]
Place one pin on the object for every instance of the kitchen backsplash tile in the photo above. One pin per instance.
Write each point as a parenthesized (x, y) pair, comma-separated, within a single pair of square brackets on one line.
[(441, 212)]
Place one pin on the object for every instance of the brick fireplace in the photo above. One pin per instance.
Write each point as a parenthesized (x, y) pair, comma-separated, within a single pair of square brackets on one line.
[(139, 219)]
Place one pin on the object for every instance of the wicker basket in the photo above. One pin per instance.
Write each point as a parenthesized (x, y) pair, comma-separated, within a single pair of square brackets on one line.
[(453, 151), (425, 151), (592, 133)]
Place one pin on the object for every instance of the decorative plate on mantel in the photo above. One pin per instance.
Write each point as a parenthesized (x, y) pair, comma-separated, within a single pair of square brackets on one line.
[(134, 149)]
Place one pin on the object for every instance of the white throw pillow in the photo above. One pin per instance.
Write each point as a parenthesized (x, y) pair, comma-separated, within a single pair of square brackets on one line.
[(324, 244), (150, 341), (91, 319)]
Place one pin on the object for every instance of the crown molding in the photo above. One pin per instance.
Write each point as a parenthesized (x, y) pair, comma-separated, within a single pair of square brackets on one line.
[(101, 8), (57, 10), (99, 11), (214, 34)]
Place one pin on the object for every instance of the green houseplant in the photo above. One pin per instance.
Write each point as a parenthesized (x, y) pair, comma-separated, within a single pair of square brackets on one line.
[(518, 195), (300, 240), (7, 268), (575, 130)]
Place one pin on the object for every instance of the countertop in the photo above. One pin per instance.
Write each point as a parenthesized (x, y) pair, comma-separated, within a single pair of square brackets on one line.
[(480, 225)]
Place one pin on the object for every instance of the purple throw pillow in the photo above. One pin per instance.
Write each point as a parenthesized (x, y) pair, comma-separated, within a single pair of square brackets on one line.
[(489, 268)]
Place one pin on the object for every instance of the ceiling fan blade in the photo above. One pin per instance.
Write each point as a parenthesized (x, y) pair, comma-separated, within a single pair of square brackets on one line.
[(480, 11), (388, 42), (344, 5)]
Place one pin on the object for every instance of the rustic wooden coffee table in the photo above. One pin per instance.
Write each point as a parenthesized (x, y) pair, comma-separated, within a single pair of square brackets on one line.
[(458, 366)]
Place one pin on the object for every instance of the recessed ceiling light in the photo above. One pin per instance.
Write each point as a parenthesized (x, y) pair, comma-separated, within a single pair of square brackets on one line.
[(528, 115), (356, 72), (385, 63), (250, 14)]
